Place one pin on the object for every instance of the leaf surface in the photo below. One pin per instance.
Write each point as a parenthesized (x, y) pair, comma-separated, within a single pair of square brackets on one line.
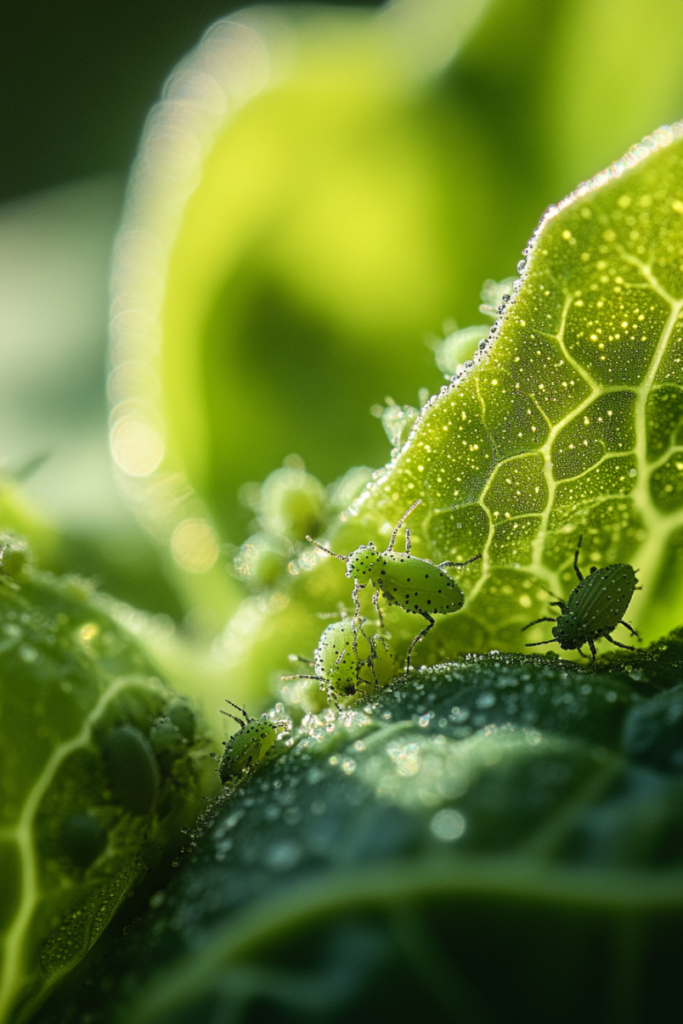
[(98, 770), (477, 838), (570, 423)]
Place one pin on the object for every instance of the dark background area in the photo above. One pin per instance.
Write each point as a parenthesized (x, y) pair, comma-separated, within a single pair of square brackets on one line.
[(77, 78)]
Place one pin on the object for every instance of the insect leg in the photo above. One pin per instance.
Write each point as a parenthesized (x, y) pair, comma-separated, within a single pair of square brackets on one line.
[(420, 636), (342, 558), (370, 660), (298, 657), (546, 618), (617, 644), (576, 559), (331, 696), (458, 565), (400, 523), (357, 587), (631, 630), (594, 653), (375, 601), (286, 678)]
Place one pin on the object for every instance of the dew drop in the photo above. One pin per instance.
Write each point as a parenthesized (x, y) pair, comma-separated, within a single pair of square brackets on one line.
[(283, 856), (448, 825), (486, 700)]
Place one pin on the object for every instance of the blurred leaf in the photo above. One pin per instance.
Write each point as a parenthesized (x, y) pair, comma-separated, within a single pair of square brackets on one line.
[(98, 770)]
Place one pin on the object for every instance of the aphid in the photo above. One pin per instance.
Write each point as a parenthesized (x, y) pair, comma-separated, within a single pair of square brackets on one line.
[(594, 608), (414, 584), (249, 746), (132, 769), (346, 660)]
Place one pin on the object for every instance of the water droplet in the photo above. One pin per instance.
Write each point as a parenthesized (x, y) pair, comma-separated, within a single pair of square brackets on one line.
[(486, 700), (283, 856), (448, 825), (459, 714)]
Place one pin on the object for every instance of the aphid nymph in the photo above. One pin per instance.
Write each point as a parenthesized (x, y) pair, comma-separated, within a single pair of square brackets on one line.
[(594, 608), (414, 584), (247, 747), (346, 661)]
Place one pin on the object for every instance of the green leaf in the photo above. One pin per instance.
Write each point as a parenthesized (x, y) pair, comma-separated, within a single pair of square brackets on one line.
[(476, 843), (98, 771), (569, 424)]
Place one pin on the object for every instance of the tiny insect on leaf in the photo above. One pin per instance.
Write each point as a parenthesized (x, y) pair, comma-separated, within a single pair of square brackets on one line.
[(249, 746), (414, 584), (348, 662), (594, 608)]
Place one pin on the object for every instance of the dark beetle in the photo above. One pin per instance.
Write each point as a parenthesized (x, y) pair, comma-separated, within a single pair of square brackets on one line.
[(595, 607)]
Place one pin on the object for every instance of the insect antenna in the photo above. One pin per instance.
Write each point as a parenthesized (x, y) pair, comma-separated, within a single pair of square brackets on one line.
[(238, 720), (287, 678), (238, 708), (400, 523), (538, 644), (342, 558)]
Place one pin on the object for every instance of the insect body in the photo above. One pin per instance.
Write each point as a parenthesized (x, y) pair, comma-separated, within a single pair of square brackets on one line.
[(346, 661), (249, 746), (594, 608), (414, 584)]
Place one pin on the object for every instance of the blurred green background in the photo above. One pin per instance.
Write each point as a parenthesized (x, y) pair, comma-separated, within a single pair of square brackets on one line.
[(343, 222)]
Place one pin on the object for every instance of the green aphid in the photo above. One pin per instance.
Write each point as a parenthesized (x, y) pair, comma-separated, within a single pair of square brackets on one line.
[(83, 839), (414, 584), (594, 608), (132, 769), (346, 662), (249, 746)]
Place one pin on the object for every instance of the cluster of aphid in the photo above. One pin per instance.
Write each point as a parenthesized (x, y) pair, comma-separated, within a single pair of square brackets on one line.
[(347, 662)]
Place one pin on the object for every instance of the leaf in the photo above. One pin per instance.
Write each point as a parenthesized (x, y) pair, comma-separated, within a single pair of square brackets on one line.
[(569, 424), (297, 227), (97, 773), (474, 845)]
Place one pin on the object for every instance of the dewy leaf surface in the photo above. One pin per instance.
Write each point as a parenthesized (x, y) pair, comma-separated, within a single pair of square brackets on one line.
[(569, 423), (99, 767), (497, 840)]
